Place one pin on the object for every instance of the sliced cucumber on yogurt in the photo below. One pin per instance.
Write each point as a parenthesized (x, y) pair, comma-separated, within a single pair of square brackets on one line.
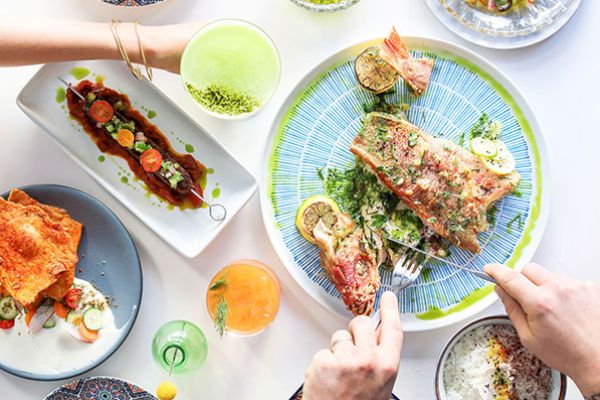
[(50, 323), (8, 308), (93, 319), (484, 147)]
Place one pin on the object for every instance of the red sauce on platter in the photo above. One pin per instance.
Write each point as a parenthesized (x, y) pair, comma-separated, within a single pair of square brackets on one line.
[(107, 144)]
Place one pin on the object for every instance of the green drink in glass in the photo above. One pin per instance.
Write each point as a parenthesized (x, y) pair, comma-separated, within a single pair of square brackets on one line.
[(179, 347), (230, 68)]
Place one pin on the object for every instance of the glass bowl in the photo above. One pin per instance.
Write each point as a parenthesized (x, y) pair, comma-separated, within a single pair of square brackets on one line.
[(326, 5), (230, 68)]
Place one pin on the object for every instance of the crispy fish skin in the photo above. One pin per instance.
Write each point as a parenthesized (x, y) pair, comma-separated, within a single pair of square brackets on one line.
[(350, 266), (35, 253), (60, 220), (449, 188)]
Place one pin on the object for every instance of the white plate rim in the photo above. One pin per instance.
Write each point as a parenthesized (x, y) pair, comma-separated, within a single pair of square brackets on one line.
[(410, 322), (485, 40)]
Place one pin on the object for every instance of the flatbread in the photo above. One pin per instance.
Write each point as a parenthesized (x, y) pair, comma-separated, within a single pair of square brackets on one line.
[(38, 249), (61, 220)]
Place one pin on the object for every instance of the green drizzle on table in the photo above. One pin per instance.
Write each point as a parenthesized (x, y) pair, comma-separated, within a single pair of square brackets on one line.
[(223, 100)]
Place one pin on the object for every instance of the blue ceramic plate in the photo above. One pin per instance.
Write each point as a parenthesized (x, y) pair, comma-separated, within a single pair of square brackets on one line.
[(132, 3), (108, 258), (321, 117), (100, 388)]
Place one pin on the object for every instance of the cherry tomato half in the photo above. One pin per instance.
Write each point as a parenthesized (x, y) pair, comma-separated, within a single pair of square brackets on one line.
[(72, 298), (7, 323), (101, 111), (151, 160)]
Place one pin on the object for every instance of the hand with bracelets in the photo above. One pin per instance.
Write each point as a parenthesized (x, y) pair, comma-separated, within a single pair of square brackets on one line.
[(43, 41)]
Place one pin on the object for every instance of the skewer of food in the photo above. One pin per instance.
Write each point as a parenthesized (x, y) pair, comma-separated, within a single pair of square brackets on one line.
[(118, 129), (38, 257), (424, 192)]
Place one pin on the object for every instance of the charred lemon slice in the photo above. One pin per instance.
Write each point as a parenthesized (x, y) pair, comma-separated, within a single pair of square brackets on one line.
[(373, 73), (313, 210)]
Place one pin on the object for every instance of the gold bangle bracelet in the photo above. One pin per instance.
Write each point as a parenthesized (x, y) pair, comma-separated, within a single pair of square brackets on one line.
[(135, 71)]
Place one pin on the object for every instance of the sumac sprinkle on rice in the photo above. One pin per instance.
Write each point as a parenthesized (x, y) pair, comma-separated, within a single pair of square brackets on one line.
[(490, 363)]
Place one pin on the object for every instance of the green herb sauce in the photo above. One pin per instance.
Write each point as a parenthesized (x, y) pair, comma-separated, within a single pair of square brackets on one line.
[(223, 100), (216, 193), (151, 114), (79, 72), (61, 94), (189, 148), (101, 158), (466, 302)]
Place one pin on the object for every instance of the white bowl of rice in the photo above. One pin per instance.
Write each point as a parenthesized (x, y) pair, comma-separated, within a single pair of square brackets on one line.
[(485, 360)]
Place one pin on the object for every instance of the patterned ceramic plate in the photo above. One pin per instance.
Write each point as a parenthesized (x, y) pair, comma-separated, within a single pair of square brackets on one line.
[(521, 26), (321, 117), (100, 388), (132, 3)]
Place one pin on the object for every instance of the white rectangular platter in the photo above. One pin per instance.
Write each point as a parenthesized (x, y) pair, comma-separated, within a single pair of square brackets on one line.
[(189, 231)]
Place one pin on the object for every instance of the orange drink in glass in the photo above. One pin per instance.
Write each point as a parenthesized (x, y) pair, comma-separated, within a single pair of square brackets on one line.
[(243, 298)]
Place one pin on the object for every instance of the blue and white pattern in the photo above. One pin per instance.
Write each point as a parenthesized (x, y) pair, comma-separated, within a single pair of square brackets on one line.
[(326, 117)]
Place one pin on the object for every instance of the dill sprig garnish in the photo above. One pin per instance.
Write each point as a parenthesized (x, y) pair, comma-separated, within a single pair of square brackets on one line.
[(221, 316), (219, 283)]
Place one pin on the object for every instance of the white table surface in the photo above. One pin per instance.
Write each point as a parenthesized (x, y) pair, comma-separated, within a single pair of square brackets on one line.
[(559, 78)]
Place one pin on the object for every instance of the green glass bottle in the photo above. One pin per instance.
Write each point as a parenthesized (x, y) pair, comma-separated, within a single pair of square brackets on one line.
[(179, 347)]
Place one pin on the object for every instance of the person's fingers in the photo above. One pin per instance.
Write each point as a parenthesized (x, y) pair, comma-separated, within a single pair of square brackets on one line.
[(537, 274), (515, 313), (363, 332), (391, 335), (517, 285), (341, 341)]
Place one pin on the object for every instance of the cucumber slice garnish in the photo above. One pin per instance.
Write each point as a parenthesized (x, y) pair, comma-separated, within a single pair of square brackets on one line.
[(484, 147), (50, 323), (73, 317), (8, 308), (93, 319), (500, 167)]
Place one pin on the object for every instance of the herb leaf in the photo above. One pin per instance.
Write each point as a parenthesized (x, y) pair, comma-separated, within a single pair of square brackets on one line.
[(220, 319), (219, 283)]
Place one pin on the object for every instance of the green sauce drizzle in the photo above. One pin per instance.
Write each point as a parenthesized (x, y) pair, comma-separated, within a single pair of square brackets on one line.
[(216, 193), (101, 158), (79, 72), (466, 302), (61, 94), (189, 148), (151, 114)]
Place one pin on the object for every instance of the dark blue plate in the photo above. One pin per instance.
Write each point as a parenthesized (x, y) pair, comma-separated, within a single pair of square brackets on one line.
[(107, 257), (100, 389)]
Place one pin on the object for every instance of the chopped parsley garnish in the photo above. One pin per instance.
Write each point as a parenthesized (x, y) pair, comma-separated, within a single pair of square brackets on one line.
[(141, 147), (378, 220), (518, 219), (413, 137)]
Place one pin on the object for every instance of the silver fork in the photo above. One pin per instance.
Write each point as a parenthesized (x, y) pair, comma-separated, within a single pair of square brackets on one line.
[(406, 271)]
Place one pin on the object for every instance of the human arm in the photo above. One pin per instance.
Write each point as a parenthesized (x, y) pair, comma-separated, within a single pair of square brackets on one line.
[(27, 41), (362, 363), (557, 319)]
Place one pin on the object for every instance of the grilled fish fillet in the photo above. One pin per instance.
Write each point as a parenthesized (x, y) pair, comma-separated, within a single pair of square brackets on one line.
[(350, 265), (447, 186), (36, 253)]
